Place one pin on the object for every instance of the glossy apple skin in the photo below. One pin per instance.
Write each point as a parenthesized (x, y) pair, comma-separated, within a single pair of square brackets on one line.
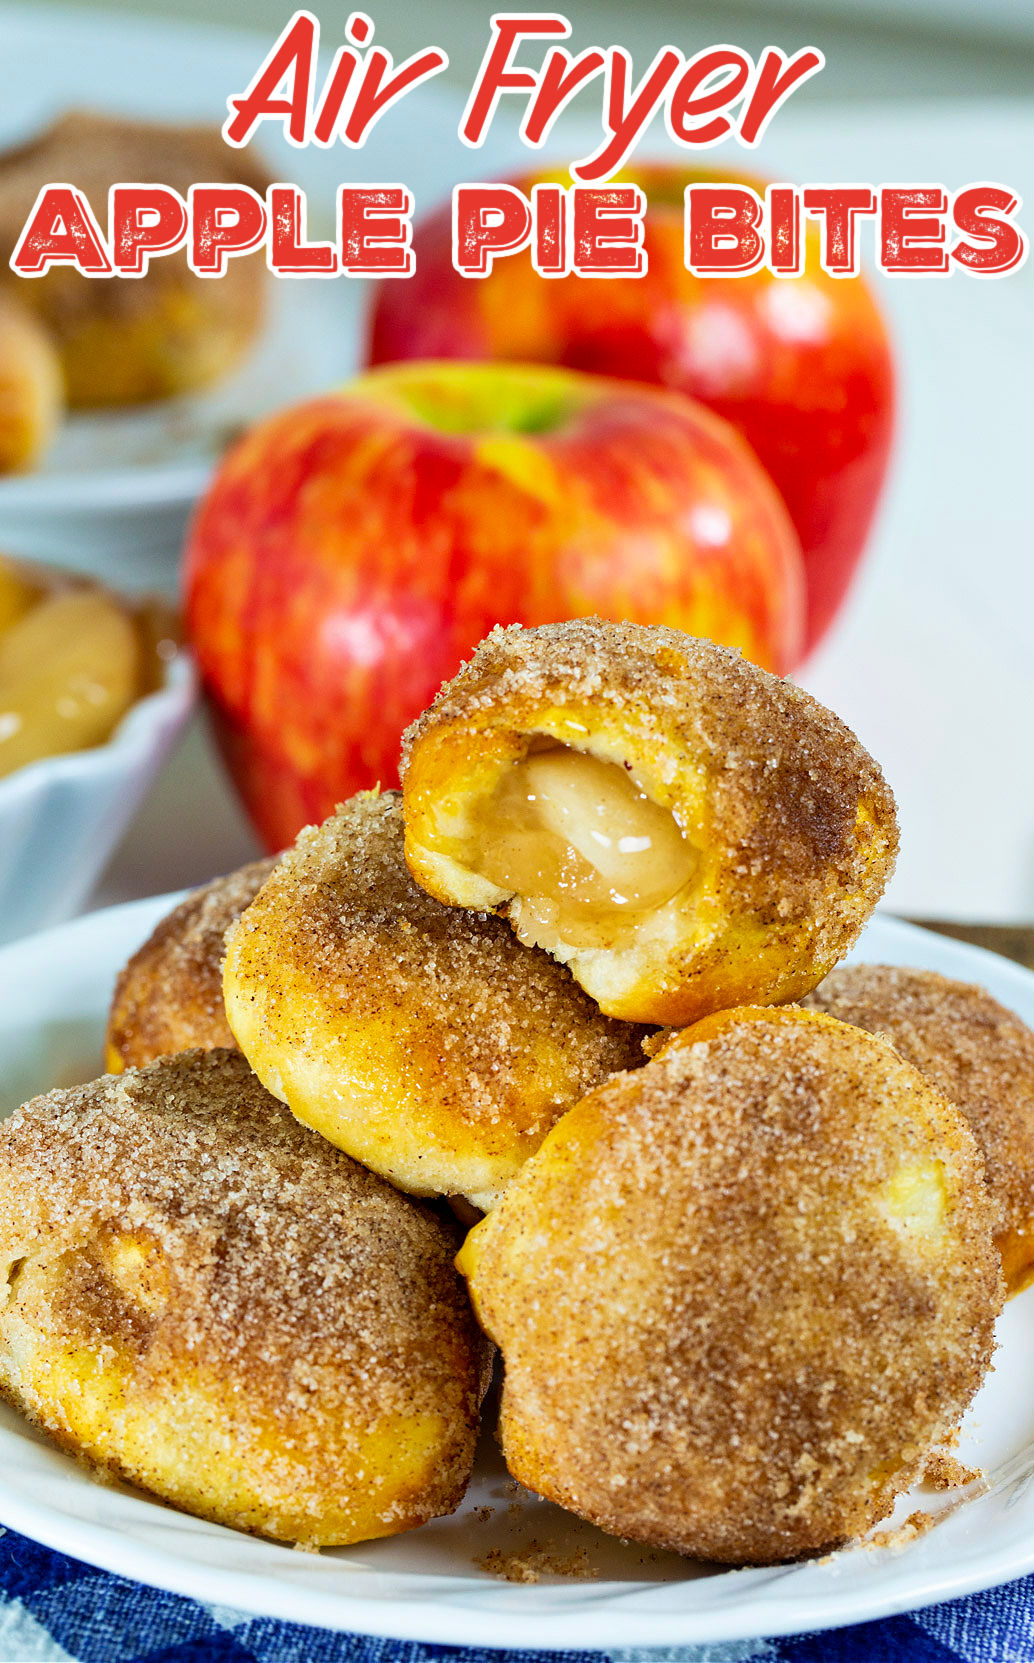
[(802, 367), (353, 550)]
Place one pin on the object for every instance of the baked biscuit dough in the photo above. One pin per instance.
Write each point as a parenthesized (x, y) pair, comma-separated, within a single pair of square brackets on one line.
[(684, 830), (206, 1300), (980, 1055), (169, 997), (32, 391), (424, 1040), (123, 340), (741, 1294)]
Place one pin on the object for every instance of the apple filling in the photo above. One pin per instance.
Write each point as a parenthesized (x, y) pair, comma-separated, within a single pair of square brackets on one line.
[(582, 845)]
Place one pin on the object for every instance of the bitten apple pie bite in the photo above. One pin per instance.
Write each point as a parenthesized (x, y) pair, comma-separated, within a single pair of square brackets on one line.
[(980, 1055), (742, 1293), (425, 1040), (203, 1298), (684, 830), (169, 997)]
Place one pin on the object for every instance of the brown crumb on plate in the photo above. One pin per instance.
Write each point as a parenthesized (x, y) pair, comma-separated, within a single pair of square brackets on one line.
[(916, 1525), (944, 1472), (535, 1560)]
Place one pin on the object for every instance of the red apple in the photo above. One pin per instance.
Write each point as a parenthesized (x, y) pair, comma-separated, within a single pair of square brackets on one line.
[(353, 550), (801, 366)]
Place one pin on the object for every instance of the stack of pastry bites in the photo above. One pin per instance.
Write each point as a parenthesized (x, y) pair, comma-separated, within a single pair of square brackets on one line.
[(739, 1254)]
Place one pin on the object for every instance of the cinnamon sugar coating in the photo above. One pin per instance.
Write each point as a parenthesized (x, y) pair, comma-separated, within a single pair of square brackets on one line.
[(169, 997), (980, 1055), (424, 1040), (742, 1293), (791, 822), (126, 340), (207, 1300)]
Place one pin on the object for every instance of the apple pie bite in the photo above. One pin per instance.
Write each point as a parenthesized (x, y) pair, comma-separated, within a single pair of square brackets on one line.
[(424, 1040), (31, 387), (169, 997), (743, 1293), (203, 1298), (980, 1055), (682, 829), (127, 340)]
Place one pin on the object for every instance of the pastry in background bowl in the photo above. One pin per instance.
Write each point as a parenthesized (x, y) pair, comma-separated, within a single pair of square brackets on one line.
[(128, 340), (31, 387)]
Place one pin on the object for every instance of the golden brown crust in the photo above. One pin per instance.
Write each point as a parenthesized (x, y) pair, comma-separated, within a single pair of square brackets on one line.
[(255, 1327), (127, 339), (169, 997), (425, 1040), (980, 1055), (794, 823), (742, 1293), (31, 387)]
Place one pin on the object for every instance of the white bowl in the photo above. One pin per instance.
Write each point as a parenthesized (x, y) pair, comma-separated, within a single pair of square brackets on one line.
[(60, 818)]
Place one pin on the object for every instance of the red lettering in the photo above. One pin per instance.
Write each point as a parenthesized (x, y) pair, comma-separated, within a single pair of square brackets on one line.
[(838, 208), (338, 82), (224, 220), (778, 76), (549, 251), (976, 211), (487, 220), (496, 76), (292, 59), (144, 220), (376, 95), (722, 234), (359, 28), (627, 116), (912, 229), (784, 221), (608, 231), (561, 78), (687, 103), (376, 230), (61, 231), (289, 253)]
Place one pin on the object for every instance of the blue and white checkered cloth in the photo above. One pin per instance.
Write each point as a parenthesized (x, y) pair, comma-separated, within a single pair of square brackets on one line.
[(53, 1609)]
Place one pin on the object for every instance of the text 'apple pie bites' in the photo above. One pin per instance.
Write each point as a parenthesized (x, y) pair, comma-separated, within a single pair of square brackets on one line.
[(742, 1293), (425, 1040), (682, 829)]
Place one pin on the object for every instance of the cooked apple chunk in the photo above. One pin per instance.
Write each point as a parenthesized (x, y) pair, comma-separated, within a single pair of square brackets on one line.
[(583, 842), (684, 830)]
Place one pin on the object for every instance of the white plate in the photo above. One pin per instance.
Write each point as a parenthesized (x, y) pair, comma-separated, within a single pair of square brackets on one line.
[(425, 1585)]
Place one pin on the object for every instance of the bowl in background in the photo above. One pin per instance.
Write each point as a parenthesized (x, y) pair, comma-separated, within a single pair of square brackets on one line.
[(61, 817)]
